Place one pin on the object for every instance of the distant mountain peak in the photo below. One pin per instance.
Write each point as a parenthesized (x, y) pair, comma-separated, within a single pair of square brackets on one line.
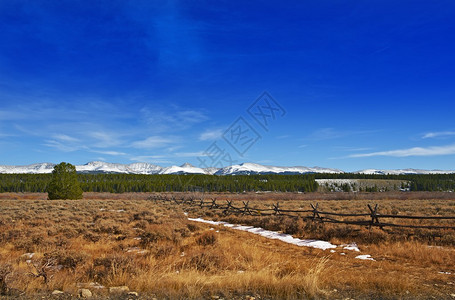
[(246, 168), (187, 165), (402, 171)]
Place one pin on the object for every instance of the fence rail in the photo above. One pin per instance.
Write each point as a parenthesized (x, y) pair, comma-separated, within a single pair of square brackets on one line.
[(370, 219)]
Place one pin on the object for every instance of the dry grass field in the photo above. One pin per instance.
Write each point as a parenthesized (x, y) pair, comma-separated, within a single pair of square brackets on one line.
[(113, 240)]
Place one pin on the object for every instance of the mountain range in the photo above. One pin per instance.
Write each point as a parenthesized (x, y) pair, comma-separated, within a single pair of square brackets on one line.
[(240, 169)]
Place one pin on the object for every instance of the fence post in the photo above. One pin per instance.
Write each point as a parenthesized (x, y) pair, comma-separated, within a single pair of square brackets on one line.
[(276, 208), (229, 205), (316, 212), (214, 205), (245, 208), (374, 216)]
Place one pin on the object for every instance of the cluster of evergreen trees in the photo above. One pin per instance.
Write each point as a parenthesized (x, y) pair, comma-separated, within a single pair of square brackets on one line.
[(120, 183), (418, 182)]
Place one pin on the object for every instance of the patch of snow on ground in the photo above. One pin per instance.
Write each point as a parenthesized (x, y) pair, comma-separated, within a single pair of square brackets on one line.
[(365, 257), (28, 255), (352, 247), (287, 238), (137, 250)]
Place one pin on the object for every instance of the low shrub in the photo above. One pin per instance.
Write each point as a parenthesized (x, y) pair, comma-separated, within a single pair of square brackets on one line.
[(206, 239)]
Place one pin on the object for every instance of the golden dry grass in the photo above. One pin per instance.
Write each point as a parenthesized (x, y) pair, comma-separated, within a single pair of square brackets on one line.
[(97, 240)]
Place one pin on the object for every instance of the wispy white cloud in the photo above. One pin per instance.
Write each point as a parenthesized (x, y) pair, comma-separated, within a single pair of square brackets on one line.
[(97, 126), (156, 159), (2, 134), (416, 151), (213, 134), (154, 142), (190, 154), (65, 138), (160, 120), (166, 158), (105, 139), (437, 134), (174, 148), (264, 161), (63, 147), (23, 130), (9, 115), (351, 149), (332, 133), (113, 153)]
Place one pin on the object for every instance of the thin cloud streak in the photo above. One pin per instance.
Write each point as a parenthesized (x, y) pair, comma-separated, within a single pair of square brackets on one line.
[(113, 153), (154, 159), (416, 151), (352, 149), (105, 139), (209, 135), (63, 147), (153, 142), (332, 133), (65, 138), (438, 134), (178, 119), (190, 154)]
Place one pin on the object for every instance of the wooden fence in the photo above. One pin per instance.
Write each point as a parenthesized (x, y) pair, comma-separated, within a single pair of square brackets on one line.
[(371, 218)]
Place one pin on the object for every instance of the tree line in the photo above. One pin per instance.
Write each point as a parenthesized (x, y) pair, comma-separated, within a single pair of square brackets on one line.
[(417, 182), (120, 183)]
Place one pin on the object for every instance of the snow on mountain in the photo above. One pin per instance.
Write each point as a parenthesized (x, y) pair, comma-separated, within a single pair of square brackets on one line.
[(144, 168), (102, 167), (210, 170), (402, 172), (186, 168), (28, 169), (251, 168), (245, 168)]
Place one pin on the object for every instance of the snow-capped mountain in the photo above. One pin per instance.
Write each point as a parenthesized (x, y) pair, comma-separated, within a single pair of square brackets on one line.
[(41, 168), (250, 168), (186, 168), (102, 167), (211, 170), (105, 167), (402, 172), (241, 169), (144, 168)]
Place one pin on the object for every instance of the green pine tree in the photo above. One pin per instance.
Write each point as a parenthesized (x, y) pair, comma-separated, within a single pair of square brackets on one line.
[(64, 184)]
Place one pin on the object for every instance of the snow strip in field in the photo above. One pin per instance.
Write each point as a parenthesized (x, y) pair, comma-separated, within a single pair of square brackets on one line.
[(365, 257), (352, 247), (287, 238)]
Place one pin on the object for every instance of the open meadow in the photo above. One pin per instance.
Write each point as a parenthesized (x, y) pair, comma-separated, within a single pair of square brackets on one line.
[(61, 249)]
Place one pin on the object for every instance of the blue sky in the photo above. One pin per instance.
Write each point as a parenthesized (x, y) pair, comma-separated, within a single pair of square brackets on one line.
[(361, 84)]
